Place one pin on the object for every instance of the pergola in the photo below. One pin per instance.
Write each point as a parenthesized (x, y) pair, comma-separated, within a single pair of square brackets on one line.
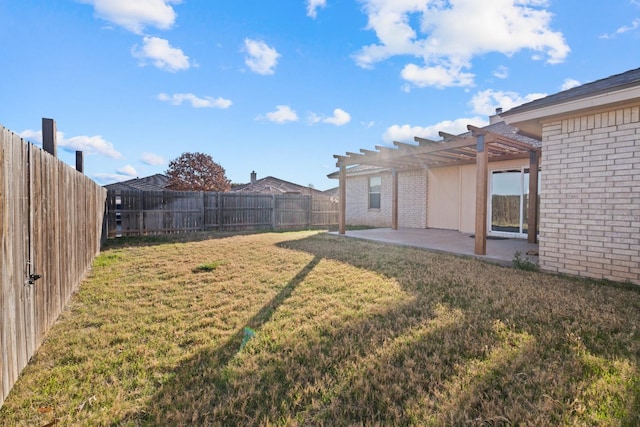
[(480, 146)]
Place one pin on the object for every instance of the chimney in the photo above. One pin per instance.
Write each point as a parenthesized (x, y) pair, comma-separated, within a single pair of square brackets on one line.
[(496, 117), (253, 177)]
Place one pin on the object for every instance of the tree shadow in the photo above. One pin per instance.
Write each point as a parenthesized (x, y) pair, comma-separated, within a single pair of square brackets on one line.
[(449, 353)]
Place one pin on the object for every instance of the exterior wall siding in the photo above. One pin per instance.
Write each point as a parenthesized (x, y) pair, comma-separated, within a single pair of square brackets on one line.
[(412, 196), (590, 196)]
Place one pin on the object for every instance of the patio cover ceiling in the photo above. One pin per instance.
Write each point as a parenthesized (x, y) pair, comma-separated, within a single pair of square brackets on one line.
[(502, 141)]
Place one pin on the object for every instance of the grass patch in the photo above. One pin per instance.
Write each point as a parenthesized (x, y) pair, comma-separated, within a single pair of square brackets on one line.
[(206, 267), (307, 328)]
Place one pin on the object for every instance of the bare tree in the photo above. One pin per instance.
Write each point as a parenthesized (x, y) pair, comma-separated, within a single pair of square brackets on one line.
[(196, 172)]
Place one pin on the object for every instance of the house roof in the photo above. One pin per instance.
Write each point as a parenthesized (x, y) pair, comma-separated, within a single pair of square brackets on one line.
[(620, 81), (359, 170), (272, 185), (332, 192), (504, 142), (157, 182)]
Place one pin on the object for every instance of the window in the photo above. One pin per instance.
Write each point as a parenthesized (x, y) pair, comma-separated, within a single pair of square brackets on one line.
[(510, 201), (375, 183)]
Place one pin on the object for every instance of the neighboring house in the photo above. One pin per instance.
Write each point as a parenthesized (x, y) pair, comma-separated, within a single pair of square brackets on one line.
[(332, 193), (157, 182), (271, 185), (584, 141)]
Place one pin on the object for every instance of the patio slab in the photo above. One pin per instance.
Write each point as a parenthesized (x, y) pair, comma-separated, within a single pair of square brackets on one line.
[(499, 251)]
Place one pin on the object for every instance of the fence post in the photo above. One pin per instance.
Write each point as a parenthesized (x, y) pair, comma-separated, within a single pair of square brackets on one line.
[(49, 143), (80, 161), (310, 216), (219, 199), (141, 216), (202, 211), (273, 212)]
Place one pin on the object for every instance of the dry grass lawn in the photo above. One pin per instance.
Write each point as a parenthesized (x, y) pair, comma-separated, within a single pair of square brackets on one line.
[(347, 332)]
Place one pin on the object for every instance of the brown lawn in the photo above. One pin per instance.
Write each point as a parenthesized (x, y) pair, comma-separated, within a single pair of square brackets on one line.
[(347, 332)]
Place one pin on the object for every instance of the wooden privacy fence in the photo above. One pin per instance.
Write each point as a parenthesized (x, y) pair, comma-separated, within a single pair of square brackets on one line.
[(50, 225), (136, 213)]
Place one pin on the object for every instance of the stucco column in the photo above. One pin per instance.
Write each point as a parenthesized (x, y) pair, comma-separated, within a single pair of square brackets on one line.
[(482, 169)]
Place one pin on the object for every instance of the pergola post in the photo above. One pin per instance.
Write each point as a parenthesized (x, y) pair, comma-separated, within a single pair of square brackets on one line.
[(482, 169), (342, 215), (394, 199), (532, 214)]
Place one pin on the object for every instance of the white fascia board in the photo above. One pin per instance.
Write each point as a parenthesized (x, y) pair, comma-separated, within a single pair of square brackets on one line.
[(588, 103)]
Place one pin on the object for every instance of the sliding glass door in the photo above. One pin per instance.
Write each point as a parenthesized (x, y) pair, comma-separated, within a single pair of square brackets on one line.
[(509, 201)]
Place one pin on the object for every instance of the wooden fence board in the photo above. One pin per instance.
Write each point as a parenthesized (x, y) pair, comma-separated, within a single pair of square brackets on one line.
[(132, 212), (51, 219)]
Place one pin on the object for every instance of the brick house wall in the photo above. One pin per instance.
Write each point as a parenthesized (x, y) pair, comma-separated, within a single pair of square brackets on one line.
[(412, 205), (590, 195), (412, 199)]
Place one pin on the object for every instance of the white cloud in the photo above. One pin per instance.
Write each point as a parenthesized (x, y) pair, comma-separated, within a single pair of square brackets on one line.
[(135, 15), (261, 58), (486, 101), (569, 83), (109, 178), (405, 133), (152, 159), (283, 114), (161, 54), (501, 72), (339, 118), (127, 170), (90, 145), (438, 76), (446, 35), (635, 24), (196, 102), (313, 6)]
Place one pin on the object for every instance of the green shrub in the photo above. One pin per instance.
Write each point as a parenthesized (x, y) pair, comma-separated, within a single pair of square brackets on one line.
[(522, 263)]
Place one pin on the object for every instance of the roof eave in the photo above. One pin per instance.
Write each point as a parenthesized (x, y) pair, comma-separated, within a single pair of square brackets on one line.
[(573, 106)]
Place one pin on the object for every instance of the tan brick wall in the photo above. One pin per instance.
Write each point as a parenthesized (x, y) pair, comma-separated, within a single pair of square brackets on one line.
[(412, 199), (412, 205), (590, 195)]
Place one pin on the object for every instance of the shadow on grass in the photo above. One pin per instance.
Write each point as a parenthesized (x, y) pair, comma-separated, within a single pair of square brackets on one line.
[(470, 343)]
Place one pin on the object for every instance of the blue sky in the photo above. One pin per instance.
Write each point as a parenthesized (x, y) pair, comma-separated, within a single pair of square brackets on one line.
[(279, 86)]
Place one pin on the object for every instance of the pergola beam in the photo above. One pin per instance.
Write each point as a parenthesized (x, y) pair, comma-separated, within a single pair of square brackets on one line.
[(425, 141)]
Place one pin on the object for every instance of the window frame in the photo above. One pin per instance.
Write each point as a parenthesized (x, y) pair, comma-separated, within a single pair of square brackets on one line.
[(372, 192)]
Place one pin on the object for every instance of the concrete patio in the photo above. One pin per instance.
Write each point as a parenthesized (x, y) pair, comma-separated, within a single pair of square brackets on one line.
[(499, 251)]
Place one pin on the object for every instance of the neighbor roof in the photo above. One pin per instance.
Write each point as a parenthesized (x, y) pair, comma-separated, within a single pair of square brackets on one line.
[(619, 81), (157, 182), (271, 185)]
